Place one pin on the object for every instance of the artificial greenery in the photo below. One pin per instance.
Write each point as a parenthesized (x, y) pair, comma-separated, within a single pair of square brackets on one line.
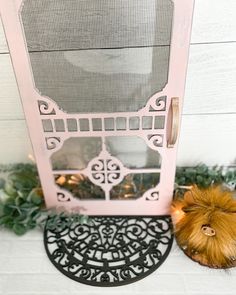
[(200, 175), (203, 176), (230, 178), (22, 204)]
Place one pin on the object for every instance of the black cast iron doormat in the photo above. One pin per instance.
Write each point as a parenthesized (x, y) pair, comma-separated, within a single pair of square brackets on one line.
[(110, 251)]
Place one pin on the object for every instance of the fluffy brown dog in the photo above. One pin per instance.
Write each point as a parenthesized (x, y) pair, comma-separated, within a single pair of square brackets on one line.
[(205, 226)]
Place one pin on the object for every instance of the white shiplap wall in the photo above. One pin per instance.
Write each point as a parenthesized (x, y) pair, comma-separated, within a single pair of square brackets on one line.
[(208, 132)]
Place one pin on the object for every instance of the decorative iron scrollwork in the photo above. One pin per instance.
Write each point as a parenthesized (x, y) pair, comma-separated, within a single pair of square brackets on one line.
[(110, 251)]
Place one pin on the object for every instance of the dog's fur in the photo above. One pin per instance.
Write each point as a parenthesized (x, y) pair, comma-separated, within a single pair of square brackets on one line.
[(211, 207)]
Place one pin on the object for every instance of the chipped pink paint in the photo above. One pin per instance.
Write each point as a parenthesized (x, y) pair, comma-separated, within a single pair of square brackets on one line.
[(45, 144)]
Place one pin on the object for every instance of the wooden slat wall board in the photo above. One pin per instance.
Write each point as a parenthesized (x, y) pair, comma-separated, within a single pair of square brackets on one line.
[(3, 43), (209, 139), (214, 21), (15, 143), (210, 87), (10, 104), (211, 79)]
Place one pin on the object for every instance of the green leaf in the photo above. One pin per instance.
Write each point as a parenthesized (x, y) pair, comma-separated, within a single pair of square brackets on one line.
[(19, 229), (33, 211), (201, 169), (2, 183), (8, 209), (21, 216), (9, 189), (5, 219), (23, 180), (35, 197), (3, 196), (19, 200), (84, 219), (182, 180), (208, 182), (190, 171), (31, 224), (26, 206)]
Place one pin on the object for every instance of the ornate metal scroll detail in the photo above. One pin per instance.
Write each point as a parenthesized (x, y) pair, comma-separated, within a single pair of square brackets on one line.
[(110, 251), (46, 108), (155, 141), (158, 104), (105, 171), (62, 197), (52, 142)]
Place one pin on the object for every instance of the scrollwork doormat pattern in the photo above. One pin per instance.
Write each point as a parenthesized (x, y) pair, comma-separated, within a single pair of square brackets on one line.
[(110, 251)]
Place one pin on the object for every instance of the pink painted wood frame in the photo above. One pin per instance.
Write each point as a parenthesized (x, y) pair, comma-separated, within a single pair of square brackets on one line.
[(157, 200)]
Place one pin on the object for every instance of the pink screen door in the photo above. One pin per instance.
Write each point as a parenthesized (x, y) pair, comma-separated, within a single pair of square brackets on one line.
[(102, 84)]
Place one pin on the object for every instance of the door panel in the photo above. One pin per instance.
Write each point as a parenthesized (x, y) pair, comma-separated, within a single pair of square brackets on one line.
[(102, 85)]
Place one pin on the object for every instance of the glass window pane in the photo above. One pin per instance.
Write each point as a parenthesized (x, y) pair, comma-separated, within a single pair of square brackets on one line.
[(134, 186), (80, 186), (76, 153), (133, 152)]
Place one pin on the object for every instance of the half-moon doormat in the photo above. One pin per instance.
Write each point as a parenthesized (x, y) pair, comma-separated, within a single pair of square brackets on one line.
[(110, 251)]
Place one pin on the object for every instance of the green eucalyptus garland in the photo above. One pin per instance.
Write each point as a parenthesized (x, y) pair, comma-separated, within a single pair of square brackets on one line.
[(204, 176), (22, 206)]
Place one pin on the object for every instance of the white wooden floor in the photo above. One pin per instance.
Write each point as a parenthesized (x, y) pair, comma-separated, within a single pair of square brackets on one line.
[(25, 269)]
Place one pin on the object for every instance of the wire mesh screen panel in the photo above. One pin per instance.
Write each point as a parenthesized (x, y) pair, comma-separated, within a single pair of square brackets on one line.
[(102, 83), (98, 56), (80, 24), (101, 80)]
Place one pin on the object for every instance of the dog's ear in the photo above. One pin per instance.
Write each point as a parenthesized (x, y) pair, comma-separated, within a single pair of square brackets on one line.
[(188, 198)]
